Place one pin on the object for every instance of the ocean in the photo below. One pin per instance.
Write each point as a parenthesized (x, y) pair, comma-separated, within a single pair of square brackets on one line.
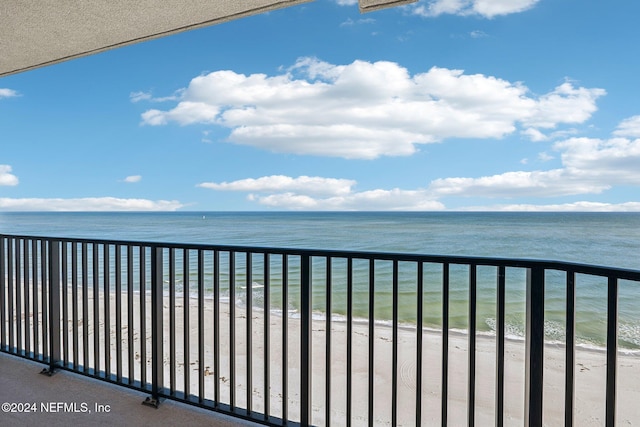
[(608, 239)]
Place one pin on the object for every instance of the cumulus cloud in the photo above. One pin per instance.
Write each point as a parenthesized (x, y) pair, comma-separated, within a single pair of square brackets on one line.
[(6, 177), (8, 93), (133, 178), (589, 166), (318, 193), (368, 109), (629, 128), (88, 204), (484, 8)]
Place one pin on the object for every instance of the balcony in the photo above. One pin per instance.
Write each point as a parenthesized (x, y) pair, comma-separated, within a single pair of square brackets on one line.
[(314, 337)]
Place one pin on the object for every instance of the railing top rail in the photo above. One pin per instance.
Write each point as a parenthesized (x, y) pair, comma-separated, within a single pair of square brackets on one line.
[(591, 269)]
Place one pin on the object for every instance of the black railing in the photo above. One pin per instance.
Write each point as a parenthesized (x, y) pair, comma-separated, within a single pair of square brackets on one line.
[(290, 336)]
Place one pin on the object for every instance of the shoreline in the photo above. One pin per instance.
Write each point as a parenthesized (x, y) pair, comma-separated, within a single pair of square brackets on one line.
[(341, 318), (590, 368)]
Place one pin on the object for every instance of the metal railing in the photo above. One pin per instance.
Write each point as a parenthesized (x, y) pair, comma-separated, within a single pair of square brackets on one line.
[(272, 335)]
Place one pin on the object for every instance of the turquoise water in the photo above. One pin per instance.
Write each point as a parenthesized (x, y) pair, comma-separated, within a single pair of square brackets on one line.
[(609, 239)]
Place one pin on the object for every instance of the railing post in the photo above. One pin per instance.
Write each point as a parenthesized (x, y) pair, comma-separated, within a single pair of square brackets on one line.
[(157, 366), (54, 306), (612, 350), (305, 340), (3, 283), (534, 356)]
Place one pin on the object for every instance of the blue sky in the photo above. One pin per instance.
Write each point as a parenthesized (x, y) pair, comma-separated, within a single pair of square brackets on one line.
[(441, 105)]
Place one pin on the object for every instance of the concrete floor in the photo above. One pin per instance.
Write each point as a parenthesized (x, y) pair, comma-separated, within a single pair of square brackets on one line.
[(22, 383)]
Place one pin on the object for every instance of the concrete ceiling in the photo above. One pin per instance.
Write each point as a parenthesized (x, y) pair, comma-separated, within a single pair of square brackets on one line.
[(36, 33)]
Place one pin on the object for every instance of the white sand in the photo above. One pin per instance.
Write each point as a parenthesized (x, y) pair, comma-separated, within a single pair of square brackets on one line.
[(590, 369)]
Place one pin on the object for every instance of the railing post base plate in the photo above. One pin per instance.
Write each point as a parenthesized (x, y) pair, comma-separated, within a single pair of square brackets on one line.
[(49, 372), (150, 401)]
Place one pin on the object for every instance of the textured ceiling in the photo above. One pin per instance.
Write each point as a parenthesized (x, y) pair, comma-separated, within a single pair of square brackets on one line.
[(36, 33)]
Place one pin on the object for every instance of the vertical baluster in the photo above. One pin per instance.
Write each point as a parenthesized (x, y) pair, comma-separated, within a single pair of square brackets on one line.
[(612, 350), (27, 299), (36, 295), (419, 317), (285, 336), (18, 290), (10, 314), (96, 308), (349, 339), (232, 328), (471, 400), (200, 326), (249, 343), (500, 319), (185, 326), (3, 285), (130, 321), (395, 361), (65, 303), (172, 321), (327, 398), (267, 343), (143, 315), (118, 292), (107, 309), (85, 309), (445, 345), (74, 303), (371, 340), (216, 327), (45, 300)]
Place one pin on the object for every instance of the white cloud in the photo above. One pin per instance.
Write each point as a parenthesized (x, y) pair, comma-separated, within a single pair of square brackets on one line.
[(6, 177), (545, 157), (534, 135), (8, 93), (133, 178), (615, 161), (279, 183), (484, 8), (629, 128), (373, 200), (575, 105), (89, 204), (139, 96), (350, 22), (347, 2), (318, 193), (582, 206), (367, 110), (556, 182), (148, 96), (477, 34), (590, 166)]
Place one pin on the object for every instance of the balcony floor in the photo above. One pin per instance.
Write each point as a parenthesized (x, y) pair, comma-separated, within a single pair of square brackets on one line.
[(21, 382)]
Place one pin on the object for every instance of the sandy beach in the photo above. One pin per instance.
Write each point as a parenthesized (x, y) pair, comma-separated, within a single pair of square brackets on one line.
[(590, 369)]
